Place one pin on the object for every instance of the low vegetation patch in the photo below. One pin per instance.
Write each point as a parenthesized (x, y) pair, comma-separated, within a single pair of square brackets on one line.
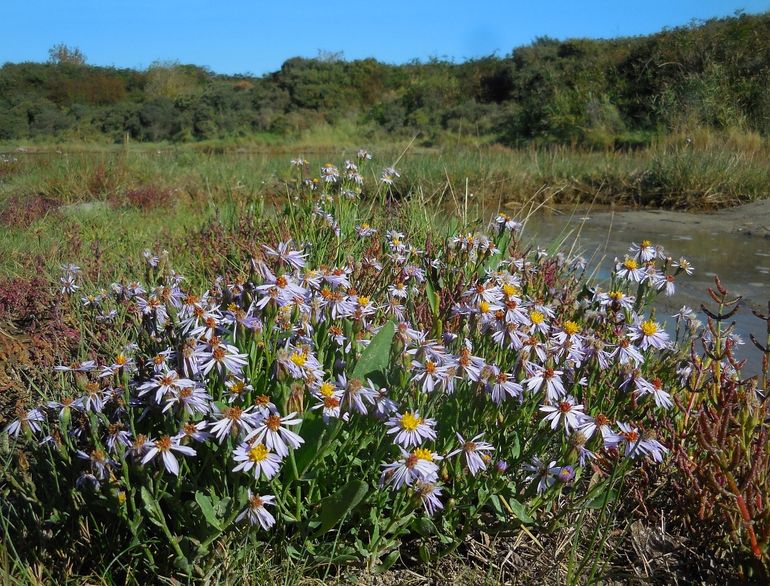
[(355, 384)]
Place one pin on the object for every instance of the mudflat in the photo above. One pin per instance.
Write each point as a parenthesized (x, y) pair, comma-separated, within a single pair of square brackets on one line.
[(752, 219)]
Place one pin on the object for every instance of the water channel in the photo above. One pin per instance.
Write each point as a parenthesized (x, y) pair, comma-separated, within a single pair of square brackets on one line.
[(734, 244)]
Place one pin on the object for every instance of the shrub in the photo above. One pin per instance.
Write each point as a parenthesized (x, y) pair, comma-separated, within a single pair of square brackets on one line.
[(722, 451)]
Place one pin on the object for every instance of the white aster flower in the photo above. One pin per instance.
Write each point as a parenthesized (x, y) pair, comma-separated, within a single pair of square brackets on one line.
[(473, 450), (256, 512), (256, 457), (565, 412), (272, 431), (166, 446), (410, 429)]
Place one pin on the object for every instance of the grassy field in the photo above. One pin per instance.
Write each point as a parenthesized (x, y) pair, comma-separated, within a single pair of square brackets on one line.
[(56, 198), (390, 313)]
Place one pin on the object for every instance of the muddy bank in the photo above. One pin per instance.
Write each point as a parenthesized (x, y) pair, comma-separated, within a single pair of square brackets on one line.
[(751, 220)]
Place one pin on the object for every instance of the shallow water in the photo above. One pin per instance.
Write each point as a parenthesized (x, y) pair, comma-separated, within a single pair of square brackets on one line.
[(742, 261)]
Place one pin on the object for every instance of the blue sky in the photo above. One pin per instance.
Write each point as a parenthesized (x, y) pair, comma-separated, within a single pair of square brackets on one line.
[(257, 36)]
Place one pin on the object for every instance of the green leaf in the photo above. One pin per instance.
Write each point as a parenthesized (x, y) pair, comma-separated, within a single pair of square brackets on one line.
[(334, 507), (395, 529), (313, 432), (181, 563), (377, 354), (520, 511), (495, 500), (339, 560), (206, 507), (243, 496), (387, 562), (433, 299), (599, 501), (425, 526), (151, 506), (222, 507), (515, 446)]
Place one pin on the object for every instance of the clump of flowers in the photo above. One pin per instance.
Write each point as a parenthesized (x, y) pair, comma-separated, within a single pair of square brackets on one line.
[(352, 376)]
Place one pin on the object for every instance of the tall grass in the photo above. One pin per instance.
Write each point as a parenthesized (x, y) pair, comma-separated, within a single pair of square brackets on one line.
[(80, 194), (707, 171)]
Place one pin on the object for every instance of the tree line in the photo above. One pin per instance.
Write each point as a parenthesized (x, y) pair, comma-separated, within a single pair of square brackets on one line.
[(596, 93)]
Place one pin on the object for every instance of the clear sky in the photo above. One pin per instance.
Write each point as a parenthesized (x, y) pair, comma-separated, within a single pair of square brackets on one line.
[(241, 36)]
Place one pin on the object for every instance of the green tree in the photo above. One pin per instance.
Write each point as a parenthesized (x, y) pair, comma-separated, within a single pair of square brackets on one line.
[(170, 79), (61, 54)]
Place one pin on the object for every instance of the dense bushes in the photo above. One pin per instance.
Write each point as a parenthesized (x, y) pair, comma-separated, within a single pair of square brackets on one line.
[(598, 93)]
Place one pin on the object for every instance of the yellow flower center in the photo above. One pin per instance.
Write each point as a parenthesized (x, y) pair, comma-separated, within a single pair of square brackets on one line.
[(299, 359), (483, 306), (536, 317), (646, 243), (258, 453), (363, 300), (616, 295), (327, 389), (409, 422), (570, 328), (630, 264), (424, 454), (649, 327), (510, 290)]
